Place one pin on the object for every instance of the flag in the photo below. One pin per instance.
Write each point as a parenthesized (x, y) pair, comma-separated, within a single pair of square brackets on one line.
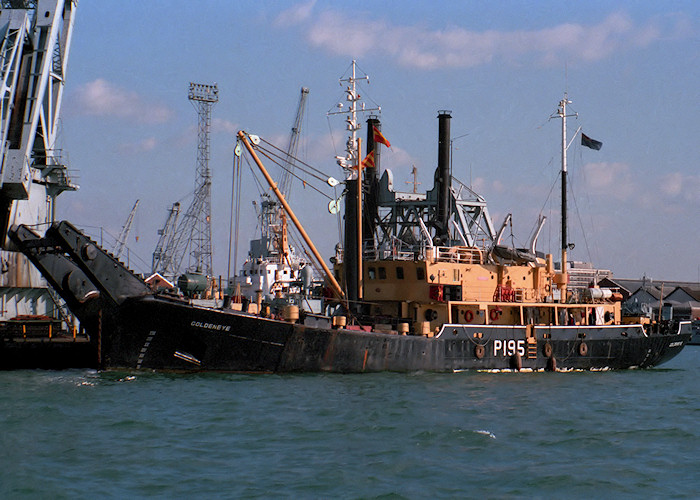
[(590, 143), (368, 162), (378, 137)]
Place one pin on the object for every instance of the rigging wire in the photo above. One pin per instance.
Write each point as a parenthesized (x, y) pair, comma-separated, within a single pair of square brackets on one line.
[(265, 153), (338, 217), (256, 179), (233, 233), (288, 159), (330, 131), (238, 213), (579, 159)]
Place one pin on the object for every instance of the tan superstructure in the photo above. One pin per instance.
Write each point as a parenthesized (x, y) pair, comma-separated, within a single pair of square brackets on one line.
[(455, 285)]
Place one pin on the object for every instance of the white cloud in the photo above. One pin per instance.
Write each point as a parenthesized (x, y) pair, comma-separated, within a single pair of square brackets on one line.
[(483, 186), (295, 14), (225, 126), (672, 184), (399, 160), (102, 98), (416, 46), (612, 179), (143, 146), (680, 186)]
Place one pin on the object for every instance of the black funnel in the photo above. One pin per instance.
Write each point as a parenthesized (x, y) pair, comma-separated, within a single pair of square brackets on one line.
[(444, 176)]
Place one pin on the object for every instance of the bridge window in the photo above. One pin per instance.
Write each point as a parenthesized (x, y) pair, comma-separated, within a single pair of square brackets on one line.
[(399, 273), (372, 272), (420, 273), (382, 273)]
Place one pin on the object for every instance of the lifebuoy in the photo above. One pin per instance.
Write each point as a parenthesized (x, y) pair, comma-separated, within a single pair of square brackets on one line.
[(493, 314), (479, 351), (583, 349), (468, 316), (547, 350)]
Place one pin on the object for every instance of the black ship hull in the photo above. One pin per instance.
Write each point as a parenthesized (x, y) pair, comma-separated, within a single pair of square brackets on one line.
[(130, 327), (160, 334)]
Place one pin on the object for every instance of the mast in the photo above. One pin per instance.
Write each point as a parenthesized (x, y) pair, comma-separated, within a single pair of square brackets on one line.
[(352, 244), (360, 281), (564, 278)]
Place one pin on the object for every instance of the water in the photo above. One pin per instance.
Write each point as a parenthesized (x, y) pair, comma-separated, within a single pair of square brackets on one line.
[(83, 434)]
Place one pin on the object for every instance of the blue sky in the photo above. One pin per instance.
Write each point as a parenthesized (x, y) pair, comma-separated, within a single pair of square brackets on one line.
[(632, 70)]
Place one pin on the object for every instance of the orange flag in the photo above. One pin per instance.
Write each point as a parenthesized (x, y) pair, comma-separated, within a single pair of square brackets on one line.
[(368, 162), (378, 137)]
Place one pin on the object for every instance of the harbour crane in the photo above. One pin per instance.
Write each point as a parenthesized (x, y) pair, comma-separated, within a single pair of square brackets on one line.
[(124, 233), (286, 177), (166, 239), (35, 39), (269, 215)]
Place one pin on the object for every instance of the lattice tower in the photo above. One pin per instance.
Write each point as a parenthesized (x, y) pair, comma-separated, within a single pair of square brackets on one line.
[(203, 97), (194, 230)]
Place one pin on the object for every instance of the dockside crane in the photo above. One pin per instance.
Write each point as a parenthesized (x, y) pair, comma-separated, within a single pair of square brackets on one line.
[(286, 177), (270, 218), (35, 38), (165, 239), (124, 233)]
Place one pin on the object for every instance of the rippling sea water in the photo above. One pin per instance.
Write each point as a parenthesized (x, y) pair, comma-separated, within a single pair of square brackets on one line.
[(86, 434)]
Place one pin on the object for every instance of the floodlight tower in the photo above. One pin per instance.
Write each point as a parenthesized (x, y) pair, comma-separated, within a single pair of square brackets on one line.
[(203, 98)]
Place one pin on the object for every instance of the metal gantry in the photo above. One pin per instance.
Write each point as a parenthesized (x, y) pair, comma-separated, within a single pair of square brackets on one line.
[(286, 176), (270, 211), (165, 240), (35, 39), (124, 233), (203, 97), (194, 230)]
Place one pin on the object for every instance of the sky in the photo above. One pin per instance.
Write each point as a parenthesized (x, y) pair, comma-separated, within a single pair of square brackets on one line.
[(630, 68)]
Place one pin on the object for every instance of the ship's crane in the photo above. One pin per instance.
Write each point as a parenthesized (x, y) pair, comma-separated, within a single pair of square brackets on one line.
[(166, 239), (124, 233), (35, 39)]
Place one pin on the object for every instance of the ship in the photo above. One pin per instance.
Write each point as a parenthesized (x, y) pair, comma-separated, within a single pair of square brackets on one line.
[(420, 282), (272, 268)]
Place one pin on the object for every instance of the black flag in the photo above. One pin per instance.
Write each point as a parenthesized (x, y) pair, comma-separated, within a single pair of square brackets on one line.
[(590, 143)]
